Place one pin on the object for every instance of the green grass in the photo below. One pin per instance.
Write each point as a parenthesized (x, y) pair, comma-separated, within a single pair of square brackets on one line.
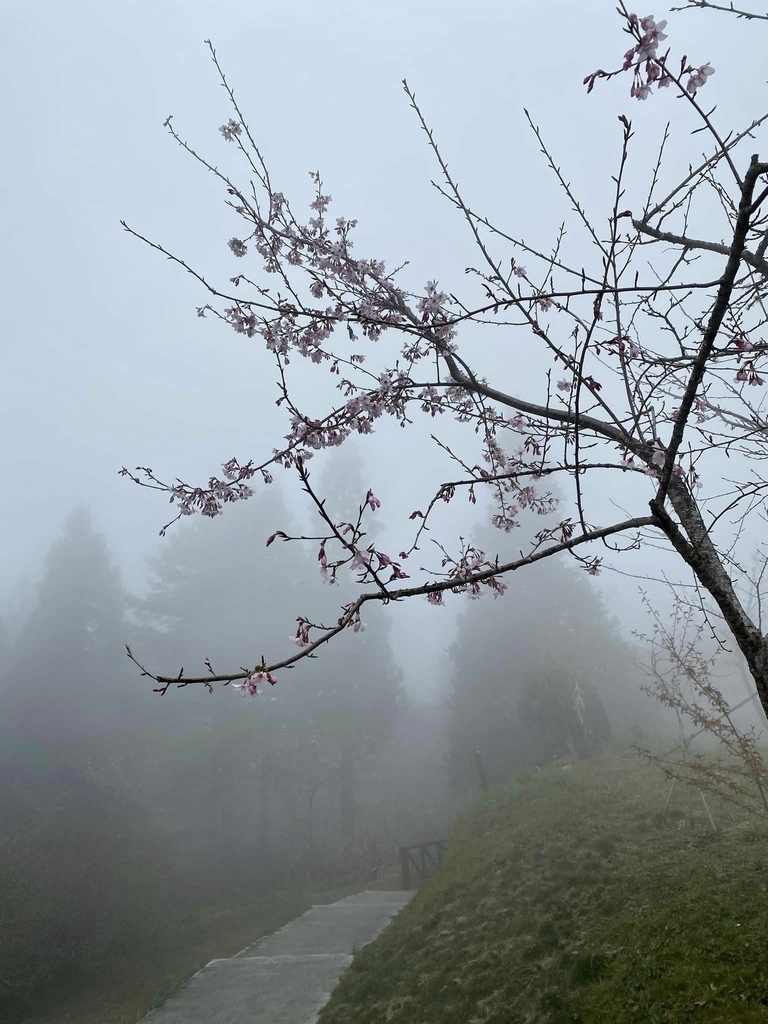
[(122, 991), (564, 899)]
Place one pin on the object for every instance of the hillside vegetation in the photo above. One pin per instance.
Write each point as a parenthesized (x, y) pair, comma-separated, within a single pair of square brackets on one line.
[(566, 899)]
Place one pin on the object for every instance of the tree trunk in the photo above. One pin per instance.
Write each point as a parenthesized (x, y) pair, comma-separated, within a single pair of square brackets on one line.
[(698, 550)]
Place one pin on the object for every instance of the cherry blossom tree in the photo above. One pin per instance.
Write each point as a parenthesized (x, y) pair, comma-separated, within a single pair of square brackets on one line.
[(651, 350)]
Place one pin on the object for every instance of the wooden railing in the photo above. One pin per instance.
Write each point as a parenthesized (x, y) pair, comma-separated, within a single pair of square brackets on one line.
[(420, 861)]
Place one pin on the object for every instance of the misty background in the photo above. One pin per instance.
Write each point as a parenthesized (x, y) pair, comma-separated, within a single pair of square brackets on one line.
[(105, 361), (105, 364)]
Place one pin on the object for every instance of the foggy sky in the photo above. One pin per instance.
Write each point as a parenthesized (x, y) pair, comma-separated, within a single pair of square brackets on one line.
[(104, 360)]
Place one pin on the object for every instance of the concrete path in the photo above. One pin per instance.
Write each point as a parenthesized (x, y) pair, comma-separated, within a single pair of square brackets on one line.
[(285, 978)]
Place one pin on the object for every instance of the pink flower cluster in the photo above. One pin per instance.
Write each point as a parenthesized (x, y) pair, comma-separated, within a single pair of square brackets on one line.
[(625, 346), (302, 636), (698, 78), (302, 632), (470, 561), (370, 562), (647, 66), (209, 501), (654, 466), (335, 289), (747, 372), (255, 684), (510, 476)]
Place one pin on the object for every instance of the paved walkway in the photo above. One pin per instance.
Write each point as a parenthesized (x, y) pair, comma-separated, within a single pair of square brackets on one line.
[(285, 978)]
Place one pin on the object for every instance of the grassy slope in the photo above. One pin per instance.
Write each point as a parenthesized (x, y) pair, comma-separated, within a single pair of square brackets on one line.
[(124, 990), (563, 900)]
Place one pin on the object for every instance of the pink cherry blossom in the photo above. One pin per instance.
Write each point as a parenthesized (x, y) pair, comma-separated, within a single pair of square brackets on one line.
[(255, 684), (653, 35), (432, 301), (231, 130), (699, 78)]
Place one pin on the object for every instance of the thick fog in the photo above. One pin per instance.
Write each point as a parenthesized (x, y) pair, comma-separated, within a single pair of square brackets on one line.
[(373, 744)]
